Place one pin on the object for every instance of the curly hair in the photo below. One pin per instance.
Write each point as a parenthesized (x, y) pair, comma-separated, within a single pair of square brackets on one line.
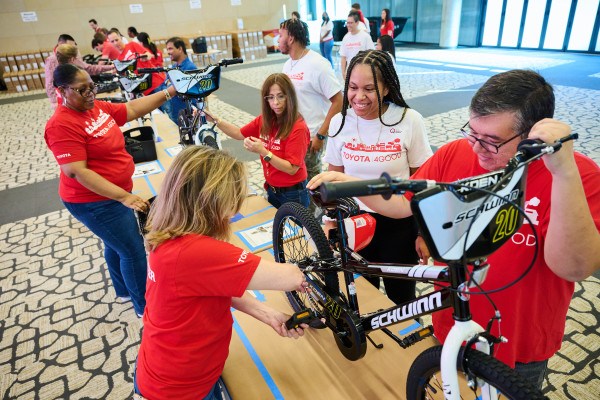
[(382, 68)]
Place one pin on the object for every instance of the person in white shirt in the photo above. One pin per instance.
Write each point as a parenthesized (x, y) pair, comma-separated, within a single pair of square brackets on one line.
[(326, 38), (380, 133), (354, 41), (317, 87)]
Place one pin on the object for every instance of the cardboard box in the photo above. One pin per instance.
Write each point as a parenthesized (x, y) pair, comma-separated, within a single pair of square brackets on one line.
[(11, 61), (29, 78), (9, 83), (39, 60), (23, 80), (43, 77), (33, 61), (16, 82), (4, 65), (36, 79)]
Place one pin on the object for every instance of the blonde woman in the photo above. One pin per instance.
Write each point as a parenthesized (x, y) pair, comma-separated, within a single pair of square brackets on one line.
[(281, 138), (194, 277)]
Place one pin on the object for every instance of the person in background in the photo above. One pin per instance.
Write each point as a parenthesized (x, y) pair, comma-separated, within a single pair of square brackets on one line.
[(387, 25), (94, 25), (195, 277), (52, 62), (132, 33), (562, 199), (363, 19), (317, 88), (95, 174), (296, 15), (178, 54), (326, 38), (280, 137), (101, 44), (380, 133), (386, 43), (123, 38), (354, 41), (156, 56)]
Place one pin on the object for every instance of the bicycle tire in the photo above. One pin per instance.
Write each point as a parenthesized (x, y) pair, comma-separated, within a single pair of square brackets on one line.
[(210, 142), (289, 220), (424, 380)]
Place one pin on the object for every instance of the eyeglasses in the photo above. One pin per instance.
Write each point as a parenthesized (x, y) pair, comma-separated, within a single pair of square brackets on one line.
[(492, 148), (85, 92), (280, 98)]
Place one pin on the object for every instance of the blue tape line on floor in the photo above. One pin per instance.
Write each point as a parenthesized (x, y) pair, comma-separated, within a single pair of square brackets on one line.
[(158, 139), (259, 364), (150, 185), (409, 329)]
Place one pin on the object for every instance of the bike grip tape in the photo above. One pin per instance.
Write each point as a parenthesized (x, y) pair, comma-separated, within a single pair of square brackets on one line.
[(334, 190)]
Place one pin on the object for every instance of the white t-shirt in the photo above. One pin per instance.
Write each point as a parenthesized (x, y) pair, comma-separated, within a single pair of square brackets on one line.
[(315, 84), (399, 148), (327, 27), (352, 44)]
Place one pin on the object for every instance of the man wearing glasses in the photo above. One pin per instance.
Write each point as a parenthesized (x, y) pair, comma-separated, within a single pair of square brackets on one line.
[(562, 196)]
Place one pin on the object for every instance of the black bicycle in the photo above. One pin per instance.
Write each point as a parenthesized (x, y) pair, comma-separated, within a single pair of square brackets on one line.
[(194, 86), (483, 212)]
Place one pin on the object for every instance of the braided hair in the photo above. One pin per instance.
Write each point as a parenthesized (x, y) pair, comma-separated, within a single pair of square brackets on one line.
[(381, 63)]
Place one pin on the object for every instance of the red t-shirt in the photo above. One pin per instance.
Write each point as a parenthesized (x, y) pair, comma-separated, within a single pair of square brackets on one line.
[(292, 149), (187, 320), (534, 309), (93, 136), (109, 51), (386, 28), (129, 53)]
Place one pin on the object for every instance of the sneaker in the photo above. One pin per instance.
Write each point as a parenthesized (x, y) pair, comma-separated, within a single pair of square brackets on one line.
[(124, 299), (139, 315)]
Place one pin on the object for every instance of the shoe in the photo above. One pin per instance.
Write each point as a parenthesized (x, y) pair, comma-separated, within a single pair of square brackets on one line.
[(124, 299), (139, 315)]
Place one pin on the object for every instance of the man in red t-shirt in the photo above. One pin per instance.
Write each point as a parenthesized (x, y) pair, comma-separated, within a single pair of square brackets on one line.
[(132, 50), (562, 200), (109, 52)]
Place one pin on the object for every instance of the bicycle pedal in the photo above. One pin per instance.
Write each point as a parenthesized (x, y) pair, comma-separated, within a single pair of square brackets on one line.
[(416, 337), (305, 316)]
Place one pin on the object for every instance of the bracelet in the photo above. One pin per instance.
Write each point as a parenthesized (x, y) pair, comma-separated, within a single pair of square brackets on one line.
[(167, 95), (218, 121)]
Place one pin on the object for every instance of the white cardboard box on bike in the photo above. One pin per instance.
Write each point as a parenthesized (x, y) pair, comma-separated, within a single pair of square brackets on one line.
[(263, 365)]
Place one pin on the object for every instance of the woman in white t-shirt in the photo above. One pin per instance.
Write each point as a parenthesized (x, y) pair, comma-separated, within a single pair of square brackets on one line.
[(380, 133), (326, 38)]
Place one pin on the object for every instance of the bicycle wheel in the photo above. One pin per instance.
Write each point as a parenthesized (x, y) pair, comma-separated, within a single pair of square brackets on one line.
[(296, 237), (210, 141), (424, 378)]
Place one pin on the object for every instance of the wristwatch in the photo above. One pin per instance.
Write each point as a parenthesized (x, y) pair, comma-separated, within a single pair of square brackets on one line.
[(268, 157), (321, 137)]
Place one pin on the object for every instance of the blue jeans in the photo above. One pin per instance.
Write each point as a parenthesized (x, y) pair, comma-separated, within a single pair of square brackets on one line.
[(326, 48), (124, 249), (213, 394), (298, 196), (533, 372)]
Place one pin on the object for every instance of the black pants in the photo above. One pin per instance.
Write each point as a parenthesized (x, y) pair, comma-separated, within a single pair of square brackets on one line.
[(393, 242)]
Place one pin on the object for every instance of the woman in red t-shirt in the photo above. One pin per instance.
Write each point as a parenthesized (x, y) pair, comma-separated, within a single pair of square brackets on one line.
[(194, 278), (281, 138), (95, 178), (155, 57), (387, 26)]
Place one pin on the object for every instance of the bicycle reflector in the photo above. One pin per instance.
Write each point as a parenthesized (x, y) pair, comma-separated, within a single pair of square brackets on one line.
[(360, 229)]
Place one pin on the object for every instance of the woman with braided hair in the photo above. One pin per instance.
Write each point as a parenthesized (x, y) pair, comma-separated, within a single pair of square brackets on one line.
[(378, 132)]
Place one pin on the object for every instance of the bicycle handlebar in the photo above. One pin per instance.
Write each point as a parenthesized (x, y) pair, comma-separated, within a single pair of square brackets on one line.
[(528, 150), (223, 63)]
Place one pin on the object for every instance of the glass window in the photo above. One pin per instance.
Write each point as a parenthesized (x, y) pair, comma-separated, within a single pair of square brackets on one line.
[(583, 24), (405, 8), (469, 22), (512, 23), (429, 21), (492, 23), (557, 24), (533, 24)]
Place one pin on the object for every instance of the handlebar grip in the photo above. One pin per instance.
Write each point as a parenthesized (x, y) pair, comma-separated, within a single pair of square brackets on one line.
[(334, 190), (149, 70), (230, 61)]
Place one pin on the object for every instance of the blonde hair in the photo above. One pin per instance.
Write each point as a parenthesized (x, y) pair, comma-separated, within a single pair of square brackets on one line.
[(290, 114), (65, 52), (201, 191)]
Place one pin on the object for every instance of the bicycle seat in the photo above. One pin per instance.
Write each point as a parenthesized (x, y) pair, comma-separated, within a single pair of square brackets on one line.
[(196, 83)]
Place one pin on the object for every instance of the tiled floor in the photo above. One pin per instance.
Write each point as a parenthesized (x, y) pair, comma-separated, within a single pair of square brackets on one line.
[(64, 335)]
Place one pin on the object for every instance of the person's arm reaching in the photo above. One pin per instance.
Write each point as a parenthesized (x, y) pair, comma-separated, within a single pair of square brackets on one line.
[(572, 245), (229, 129), (336, 106), (139, 107)]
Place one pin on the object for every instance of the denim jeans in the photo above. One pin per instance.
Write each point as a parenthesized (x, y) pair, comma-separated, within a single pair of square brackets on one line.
[(533, 372), (124, 249), (213, 394), (298, 196), (326, 48)]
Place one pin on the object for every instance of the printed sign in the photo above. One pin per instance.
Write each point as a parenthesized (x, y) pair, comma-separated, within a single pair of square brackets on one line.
[(29, 16), (136, 8)]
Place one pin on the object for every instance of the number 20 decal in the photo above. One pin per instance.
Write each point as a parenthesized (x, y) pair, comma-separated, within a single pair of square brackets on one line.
[(205, 84), (507, 223)]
